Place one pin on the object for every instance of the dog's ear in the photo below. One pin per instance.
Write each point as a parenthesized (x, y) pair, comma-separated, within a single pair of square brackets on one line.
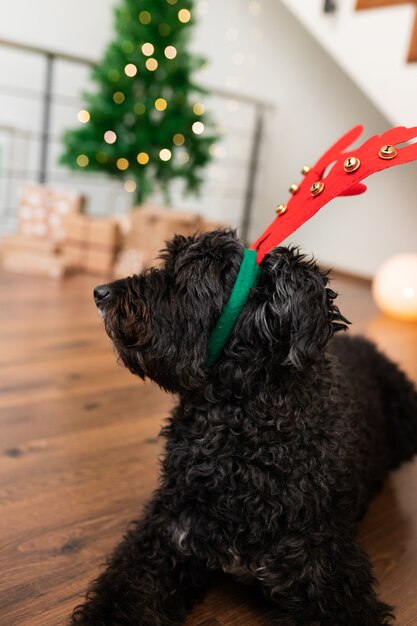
[(300, 312)]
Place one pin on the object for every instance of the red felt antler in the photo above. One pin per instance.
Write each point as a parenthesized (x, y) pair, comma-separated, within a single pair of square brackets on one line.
[(339, 181)]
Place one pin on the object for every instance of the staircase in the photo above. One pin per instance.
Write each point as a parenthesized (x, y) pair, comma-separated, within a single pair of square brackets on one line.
[(371, 46)]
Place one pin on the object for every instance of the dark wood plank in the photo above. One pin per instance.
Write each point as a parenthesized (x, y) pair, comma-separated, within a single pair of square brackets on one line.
[(79, 457)]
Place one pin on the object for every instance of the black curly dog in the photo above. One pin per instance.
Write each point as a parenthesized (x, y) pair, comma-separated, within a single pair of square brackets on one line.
[(271, 457)]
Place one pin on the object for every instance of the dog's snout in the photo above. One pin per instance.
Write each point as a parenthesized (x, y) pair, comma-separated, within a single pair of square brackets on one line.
[(101, 294)]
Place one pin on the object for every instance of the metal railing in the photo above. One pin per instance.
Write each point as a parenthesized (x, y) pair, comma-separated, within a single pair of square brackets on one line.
[(240, 186)]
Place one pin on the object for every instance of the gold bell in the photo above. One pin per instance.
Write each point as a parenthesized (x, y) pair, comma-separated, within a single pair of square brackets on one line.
[(293, 189), (351, 164), (317, 188), (387, 152), (306, 169), (280, 210)]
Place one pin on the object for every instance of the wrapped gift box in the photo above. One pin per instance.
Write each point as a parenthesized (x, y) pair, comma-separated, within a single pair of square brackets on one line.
[(153, 226), (30, 244), (36, 263), (41, 211), (91, 243)]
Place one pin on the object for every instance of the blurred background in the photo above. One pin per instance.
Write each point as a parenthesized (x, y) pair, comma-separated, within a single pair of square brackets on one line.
[(283, 80), (122, 122)]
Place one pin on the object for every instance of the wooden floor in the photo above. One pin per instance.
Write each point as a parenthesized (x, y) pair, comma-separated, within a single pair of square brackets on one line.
[(79, 449)]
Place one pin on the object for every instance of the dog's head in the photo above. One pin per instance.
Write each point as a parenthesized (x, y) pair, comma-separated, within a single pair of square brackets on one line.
[(160, 321)]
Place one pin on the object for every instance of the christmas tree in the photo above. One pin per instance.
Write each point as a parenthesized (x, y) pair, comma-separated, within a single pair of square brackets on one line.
[(144, 123)]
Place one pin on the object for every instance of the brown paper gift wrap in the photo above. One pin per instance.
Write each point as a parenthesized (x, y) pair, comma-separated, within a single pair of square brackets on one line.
[(29, 244), (91, 243), (36, 263), (41, 211), (153, 226)]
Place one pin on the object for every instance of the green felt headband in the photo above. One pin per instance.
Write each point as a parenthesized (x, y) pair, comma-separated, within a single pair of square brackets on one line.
[(247, 278)]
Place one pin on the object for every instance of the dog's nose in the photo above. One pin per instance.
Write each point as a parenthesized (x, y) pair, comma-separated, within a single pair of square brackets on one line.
[(101, 293)]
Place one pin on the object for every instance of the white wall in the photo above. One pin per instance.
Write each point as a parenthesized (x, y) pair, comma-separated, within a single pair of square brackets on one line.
[(315, 102)]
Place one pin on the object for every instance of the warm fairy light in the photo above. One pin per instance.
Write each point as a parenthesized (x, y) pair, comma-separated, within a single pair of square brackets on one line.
[(119, 97), (145, 17), (131, 70), (82, 160), (148, 49), (160, 104), (165, 154), (143, 158), (238, 58), (110, 136), (198, 128), (170, 52), (199, 108), (254, 8), (130, 186), (139, 108), (151, 64), (183, 157), (184, 15), (122, 164), (113, 76), (178, 139), (83, 116), (172, 1)]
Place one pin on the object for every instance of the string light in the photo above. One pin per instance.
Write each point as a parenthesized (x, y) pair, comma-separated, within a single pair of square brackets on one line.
[(165, 154), (199, 108), (82, 160), (113, 76), (184, 15), (131, 70), (139, 108), (145, 17), (122, 164), (178, 139), (164, 30), (130, 186), (170, 52), (151, 64), (198, 128), (118, 97), (143, 158), (160, 104), (172, 1), (83, 116), (110, 136), (148, 49)]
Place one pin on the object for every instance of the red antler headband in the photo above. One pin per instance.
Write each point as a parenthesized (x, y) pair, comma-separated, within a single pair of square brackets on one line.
[(343, 178)]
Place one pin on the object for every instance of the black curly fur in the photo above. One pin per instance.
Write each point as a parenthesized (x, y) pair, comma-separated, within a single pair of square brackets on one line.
[(271, 458)]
